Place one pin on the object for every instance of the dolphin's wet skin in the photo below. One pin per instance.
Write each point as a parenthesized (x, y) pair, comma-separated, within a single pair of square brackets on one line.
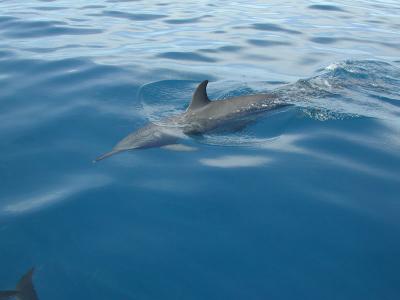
[(201, 116), (204, 116), (277, 179)]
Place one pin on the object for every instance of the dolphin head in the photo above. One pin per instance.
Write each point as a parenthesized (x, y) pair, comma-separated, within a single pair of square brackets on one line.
[(149, 136)]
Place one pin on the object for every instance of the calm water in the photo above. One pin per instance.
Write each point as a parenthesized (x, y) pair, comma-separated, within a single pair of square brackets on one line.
[(303, 204)]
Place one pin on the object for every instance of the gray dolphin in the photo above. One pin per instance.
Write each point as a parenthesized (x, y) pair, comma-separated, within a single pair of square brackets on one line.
[(201, 116), (24, 289)]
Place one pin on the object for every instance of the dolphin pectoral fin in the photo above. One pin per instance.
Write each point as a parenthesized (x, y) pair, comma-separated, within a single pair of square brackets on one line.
[(179, 147), (7, 294), (105, 155)]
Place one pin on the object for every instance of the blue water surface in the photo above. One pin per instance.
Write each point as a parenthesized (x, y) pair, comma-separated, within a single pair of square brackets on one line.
[(302, 204)]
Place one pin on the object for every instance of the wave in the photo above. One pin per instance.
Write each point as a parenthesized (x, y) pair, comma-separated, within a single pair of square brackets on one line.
[(348, 89), (360, 88), (352, 88)]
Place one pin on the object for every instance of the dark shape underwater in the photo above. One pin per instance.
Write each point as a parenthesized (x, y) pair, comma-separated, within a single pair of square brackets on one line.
[(24, 289)]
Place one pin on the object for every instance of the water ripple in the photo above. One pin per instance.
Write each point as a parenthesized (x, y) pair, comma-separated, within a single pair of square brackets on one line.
[(49, 8), (186, 56), (93, 6), (131, 16), (326, 7), (185, 21), (18, 28), (274, 28), (267, 43), (324, 40), (76, 77)]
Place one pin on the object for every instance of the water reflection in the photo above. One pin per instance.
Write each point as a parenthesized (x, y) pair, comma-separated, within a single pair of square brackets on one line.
[(52, 195), (235, 161)]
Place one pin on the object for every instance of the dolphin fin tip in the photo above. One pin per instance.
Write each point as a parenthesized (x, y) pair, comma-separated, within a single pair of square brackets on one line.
[(31, 271), (28, 275), (200, 97), (24, 287)]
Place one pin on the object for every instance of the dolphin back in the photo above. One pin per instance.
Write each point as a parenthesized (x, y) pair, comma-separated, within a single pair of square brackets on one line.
[(7, 294)]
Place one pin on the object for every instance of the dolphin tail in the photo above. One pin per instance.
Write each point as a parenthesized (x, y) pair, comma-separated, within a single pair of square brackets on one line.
[(105, 155), (24, 290)]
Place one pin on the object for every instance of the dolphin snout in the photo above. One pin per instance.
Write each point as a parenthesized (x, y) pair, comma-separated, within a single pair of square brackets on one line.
[(149, 136), (105, 155)]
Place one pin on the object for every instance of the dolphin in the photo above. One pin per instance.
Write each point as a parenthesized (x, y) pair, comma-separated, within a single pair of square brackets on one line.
[(24, 289), (201, 116)]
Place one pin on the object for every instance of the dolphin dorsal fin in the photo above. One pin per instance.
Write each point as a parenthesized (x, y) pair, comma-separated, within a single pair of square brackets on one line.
[(200, 97), (25, 287)]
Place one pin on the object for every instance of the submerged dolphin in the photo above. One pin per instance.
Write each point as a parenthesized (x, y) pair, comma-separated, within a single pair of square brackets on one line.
[(201, 116), (24, 289)]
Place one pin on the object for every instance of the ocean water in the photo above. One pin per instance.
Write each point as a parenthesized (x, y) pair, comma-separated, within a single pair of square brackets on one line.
[(302, 204)]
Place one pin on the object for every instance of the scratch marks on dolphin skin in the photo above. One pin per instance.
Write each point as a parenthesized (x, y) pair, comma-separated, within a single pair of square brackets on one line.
[(131, 16), (179, 147), (235, 161), (186, 56)]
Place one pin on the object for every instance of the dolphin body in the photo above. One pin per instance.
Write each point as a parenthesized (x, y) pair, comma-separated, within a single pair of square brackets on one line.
[(24, 289), (201, 116)]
